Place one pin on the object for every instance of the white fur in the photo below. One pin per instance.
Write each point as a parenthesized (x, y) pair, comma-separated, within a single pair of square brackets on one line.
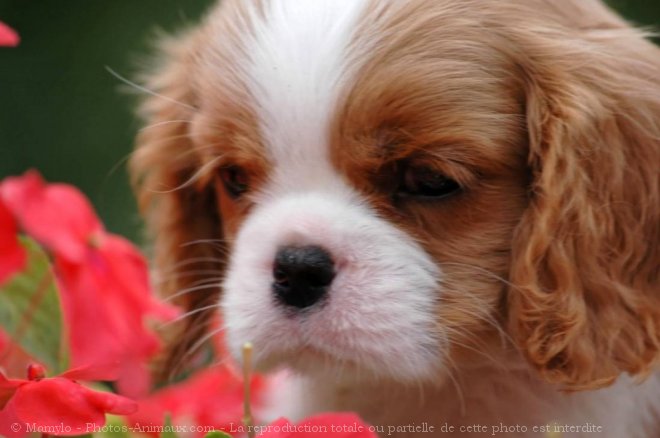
[(299, 62), (379, 315)]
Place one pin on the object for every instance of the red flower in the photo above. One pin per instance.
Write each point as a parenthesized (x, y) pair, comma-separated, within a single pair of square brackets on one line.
[(57, 215), (337, 425), (103, 279), (105, 301), (213, 397), (8, 37), (12, 254), (58, 403)]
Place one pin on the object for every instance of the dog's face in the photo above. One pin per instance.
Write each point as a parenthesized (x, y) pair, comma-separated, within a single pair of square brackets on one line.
[(399, 185), (379, 216)]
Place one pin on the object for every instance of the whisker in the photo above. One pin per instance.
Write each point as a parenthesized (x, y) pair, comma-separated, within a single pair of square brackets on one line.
[(176, 275), (165, 122), (452, 368), (128, 156), (484, 317), (490, 321), (117, 165), (187, 314), (216, 244), (191, 289), (208, 280), (182, 358), (220, 362), (452, 340), (146, 90), (482, 271), (195, 176), (172, 268), (195, 242), (199, 343)]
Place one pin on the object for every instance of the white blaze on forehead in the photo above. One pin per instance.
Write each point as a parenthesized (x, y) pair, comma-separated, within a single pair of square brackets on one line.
[(300, 60)]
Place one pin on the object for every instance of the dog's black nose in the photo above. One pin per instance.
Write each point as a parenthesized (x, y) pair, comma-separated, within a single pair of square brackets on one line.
[(302, 275)]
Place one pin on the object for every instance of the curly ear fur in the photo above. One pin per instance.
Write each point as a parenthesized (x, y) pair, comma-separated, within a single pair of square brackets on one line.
[(180, 216), (586, 301)]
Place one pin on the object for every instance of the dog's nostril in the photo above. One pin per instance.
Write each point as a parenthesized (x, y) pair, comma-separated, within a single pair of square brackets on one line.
[(301, 275), (280, 276)]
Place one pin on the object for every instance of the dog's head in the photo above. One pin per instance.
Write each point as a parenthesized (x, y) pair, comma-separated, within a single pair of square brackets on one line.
[(390, 188)]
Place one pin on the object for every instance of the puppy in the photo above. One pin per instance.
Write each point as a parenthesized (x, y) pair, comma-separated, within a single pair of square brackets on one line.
[(440, 214)]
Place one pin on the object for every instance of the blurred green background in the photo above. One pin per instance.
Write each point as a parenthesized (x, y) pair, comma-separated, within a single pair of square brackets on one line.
[(62, 113)]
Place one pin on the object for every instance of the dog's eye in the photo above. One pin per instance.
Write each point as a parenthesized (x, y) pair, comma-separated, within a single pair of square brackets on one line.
[(425, 183), (235, 181)]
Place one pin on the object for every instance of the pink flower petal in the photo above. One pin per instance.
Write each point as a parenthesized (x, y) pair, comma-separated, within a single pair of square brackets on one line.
[(58, 401), (8, 36), (106, 301), (12, 254), (277, 429), (130, 270), (96, 334), (8, 388), (8, 418), (58, 215), (212, 397), (96, 372)]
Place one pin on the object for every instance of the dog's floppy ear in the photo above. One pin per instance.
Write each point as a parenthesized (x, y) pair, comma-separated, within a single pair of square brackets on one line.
[(585, 301), (182, 217)]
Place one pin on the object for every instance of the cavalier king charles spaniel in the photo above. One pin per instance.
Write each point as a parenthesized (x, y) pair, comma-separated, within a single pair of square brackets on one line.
[(437, 212)]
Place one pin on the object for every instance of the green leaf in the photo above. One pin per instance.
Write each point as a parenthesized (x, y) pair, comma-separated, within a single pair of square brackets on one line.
[(114, 428), (217, 434), (30, 310), (169, 430)]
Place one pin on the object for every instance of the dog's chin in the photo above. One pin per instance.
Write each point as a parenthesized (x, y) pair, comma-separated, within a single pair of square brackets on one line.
[(343, 365), (309, 361)]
